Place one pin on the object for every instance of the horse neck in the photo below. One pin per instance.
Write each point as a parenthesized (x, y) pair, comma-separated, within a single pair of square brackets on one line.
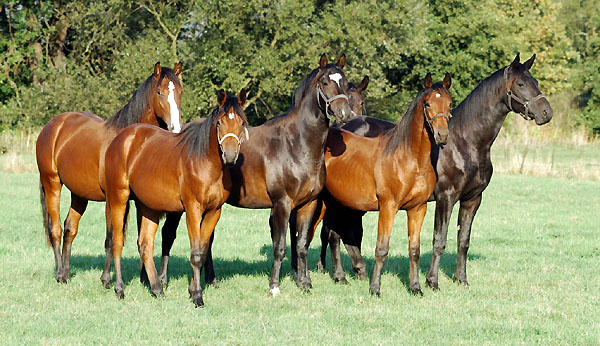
[(310, 120), (149, 117), (485, 120), (420, 140)]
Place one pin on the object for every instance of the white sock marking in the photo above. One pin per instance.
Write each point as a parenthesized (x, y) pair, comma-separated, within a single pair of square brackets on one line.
[(175, 125), (336, 78), (275, 291)]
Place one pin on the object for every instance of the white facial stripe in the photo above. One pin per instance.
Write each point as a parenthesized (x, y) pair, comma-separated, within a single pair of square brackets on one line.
[(231, 115), (336, 78), (437, 95), (175, 125)]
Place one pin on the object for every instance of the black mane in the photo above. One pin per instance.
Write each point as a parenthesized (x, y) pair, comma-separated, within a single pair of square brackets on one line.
[(308, 83), (137, 105), (472, 106), (400, 133), (195, 136)]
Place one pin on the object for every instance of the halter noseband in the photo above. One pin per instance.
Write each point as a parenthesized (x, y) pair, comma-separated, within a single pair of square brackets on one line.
[(439, 115), (231, 134), (328, 101), (525, 103)]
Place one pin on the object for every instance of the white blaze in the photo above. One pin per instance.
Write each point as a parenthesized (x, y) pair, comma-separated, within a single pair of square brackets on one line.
[(336, 78), (175, 125)]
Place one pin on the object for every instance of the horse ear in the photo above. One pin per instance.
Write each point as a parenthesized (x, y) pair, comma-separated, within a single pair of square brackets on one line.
[(529, 62), (428, 81), (157, 70), (221, 97), (177, 69), (242, 97), (447, 82), (323, 61), (342, 62), (515, 64), (363, 85)]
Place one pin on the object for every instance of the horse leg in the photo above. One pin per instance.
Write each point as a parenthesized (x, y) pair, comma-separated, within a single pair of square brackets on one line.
[(143, 274), (117, 205), (324, 243), (200, 234), (169, 233), (353, 248), (465, 220), (50, 189), (293, 241), (443, 211), (77, 209), (280, 215), (336, 256), (209, 269), (304, 221), (415, 222), (146, 234), (387, 212)]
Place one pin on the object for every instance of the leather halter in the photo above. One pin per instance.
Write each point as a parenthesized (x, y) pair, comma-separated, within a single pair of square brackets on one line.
[(525, 103), (328, 101), (439, 115)]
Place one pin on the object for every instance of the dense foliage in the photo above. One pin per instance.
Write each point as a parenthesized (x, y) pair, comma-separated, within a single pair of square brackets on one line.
[(57, 56)]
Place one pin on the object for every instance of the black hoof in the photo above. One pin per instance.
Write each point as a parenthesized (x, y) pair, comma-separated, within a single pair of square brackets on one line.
[(417, 292), (375, 291), (61, 279), (105, 281), (341, 281), (120, 293), (321, 267), (432, 285), (198, 301), (461, 281)]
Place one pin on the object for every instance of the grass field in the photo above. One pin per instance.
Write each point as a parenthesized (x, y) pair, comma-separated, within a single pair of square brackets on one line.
[(533, 270)]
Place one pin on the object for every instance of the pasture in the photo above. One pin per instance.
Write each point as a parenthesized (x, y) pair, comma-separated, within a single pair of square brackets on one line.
[(532, 266)]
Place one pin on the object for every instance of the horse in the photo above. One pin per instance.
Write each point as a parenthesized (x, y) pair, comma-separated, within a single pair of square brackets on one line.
[(463, 165), (355, 96), (70, 151), (390, 172), (165, 172)]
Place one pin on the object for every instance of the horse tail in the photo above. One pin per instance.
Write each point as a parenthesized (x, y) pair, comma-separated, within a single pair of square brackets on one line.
[(45, 216)]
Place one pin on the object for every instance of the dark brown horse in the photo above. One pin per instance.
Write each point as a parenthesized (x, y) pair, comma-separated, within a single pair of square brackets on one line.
[(463, 165), (165, 172), (390, 172), (70, 151)]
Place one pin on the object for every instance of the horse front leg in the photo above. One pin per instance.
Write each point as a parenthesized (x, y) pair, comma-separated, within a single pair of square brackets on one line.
[(387, 212), (415, 222), (147, 232), (50, 189), (200, 233), (304, 226), (280, 215), (443, 211), (467, 212)]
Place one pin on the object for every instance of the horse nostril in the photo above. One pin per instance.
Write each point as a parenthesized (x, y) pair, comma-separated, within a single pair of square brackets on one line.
[(545, 112)]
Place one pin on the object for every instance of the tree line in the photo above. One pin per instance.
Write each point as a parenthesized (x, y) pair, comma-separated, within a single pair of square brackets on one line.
[(57, 56)]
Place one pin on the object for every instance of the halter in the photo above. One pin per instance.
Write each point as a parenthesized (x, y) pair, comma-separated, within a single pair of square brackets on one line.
[(363, 111), (231, 134), (328, 101), (525, 103), (439, 115)]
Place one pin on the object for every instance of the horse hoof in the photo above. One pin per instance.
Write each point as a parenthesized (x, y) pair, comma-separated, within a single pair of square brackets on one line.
[(433, 285), (198, 301), (275, 291), (120, 293), (164, 281), (417, 292), (157, 292), (375, 291), (61, 279), (320, 267), (341, 281), (214, 283)]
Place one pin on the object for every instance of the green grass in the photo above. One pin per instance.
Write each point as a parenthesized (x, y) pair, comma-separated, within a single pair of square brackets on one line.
[(533, 270)]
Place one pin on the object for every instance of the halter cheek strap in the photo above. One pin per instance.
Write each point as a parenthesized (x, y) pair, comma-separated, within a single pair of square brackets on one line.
[(525, 103), (439, 115), (328, 101)]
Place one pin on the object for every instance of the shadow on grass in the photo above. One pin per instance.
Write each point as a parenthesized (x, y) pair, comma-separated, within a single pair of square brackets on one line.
[(179, 267)]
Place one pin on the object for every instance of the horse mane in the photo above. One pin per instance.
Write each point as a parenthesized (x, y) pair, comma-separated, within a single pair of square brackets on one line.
[(308, 82), (133, 111), (473, 104), (195, 136), (400, 133)]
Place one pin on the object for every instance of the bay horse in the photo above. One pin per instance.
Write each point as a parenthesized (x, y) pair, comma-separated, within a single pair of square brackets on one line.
[(463, 165), (165, 172), (70, 151), (390, 172)]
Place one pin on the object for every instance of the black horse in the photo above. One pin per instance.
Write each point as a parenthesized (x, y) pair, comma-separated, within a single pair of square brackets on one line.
[(463, 165)]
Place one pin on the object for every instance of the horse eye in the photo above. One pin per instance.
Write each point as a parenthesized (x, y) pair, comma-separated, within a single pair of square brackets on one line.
[(159, 92), (427, 104), (520, 84), (325, 83)]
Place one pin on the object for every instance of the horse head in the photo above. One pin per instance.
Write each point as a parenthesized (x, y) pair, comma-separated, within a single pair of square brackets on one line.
[(331, 89), (436, 107), (231, 125), (165, 96)]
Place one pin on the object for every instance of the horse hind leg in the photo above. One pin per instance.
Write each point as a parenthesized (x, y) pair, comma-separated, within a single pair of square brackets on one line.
[(443, 211), (169, 233), (147, 232), (467, 212), (50, 188), (78, 206), (108, 244)]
